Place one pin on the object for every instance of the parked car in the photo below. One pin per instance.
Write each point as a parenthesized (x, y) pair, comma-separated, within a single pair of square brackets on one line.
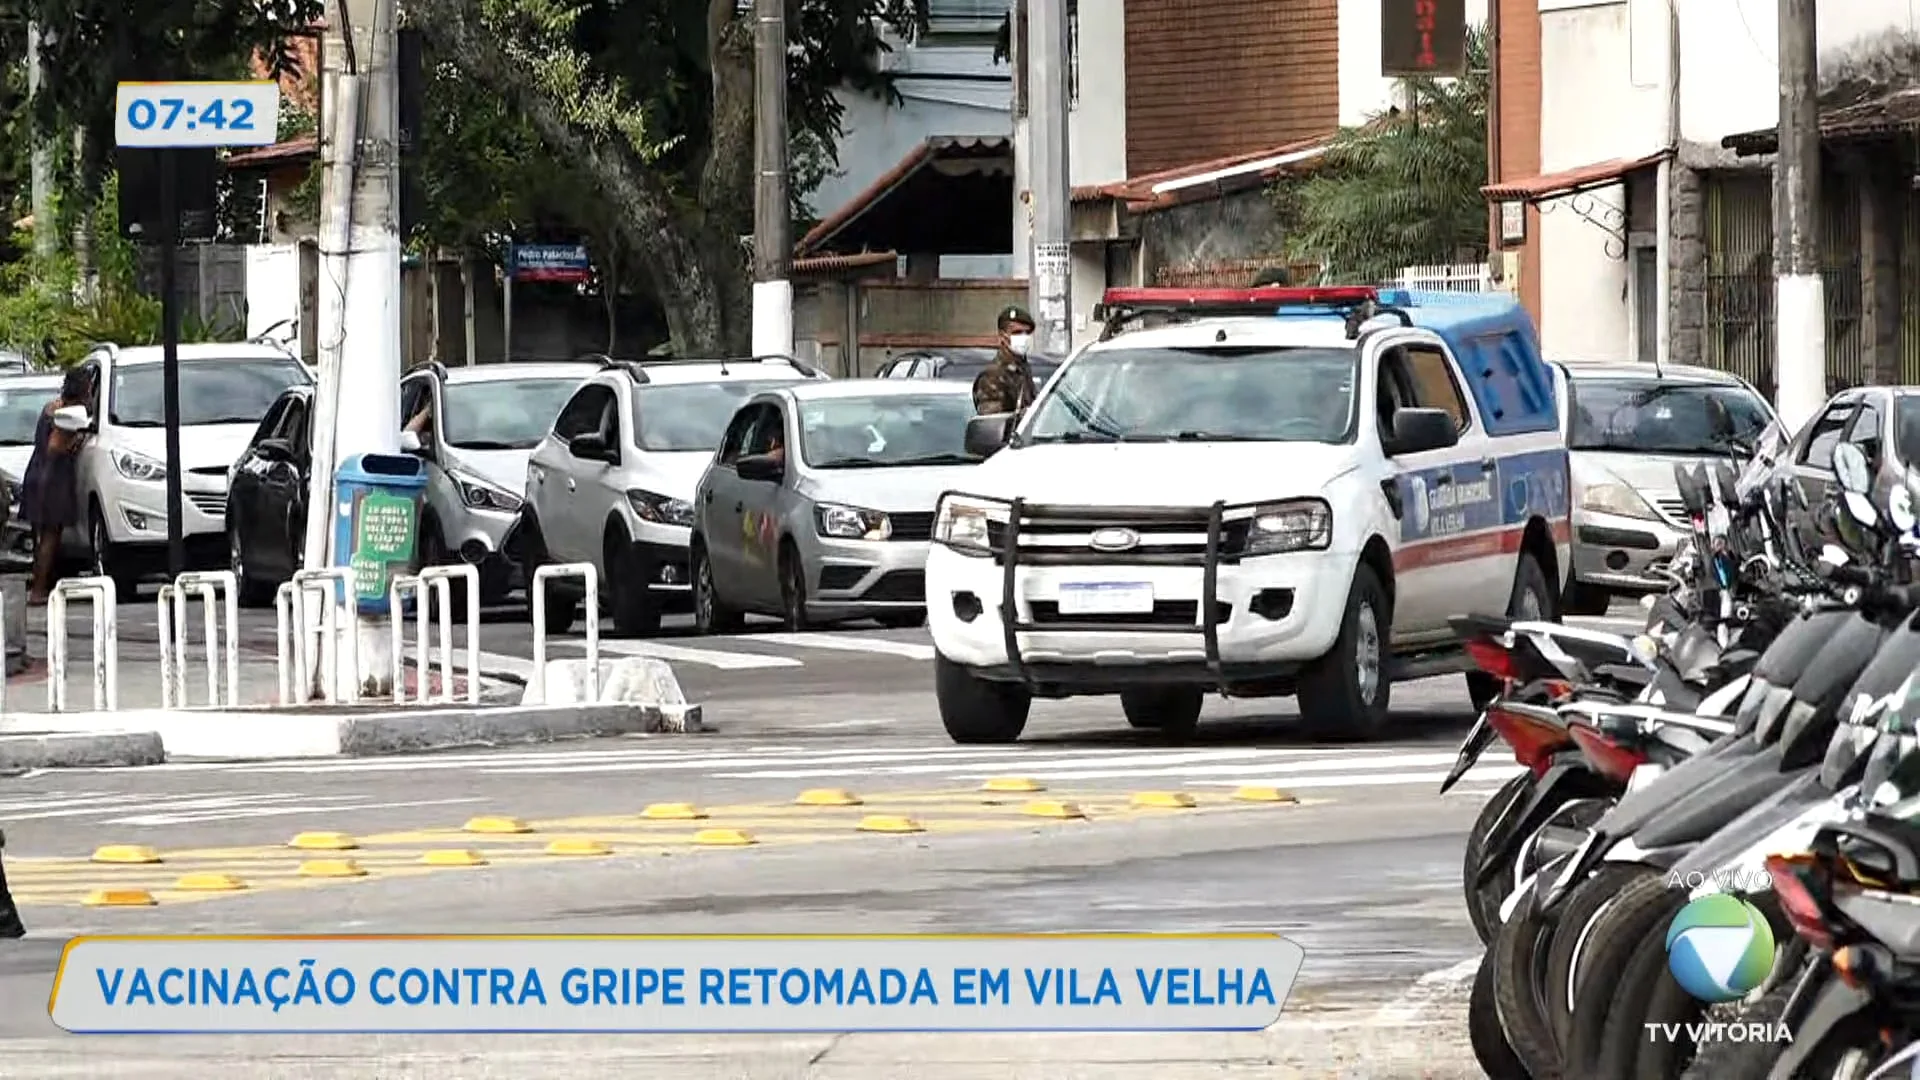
[(1627, 426), (612, 482), (266, 512), (959, 365), (22, 399), (820, 502), (481, 425), (225, 390), (1883, 421)]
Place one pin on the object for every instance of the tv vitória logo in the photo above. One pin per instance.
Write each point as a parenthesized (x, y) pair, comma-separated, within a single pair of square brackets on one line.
[(1719, 948)]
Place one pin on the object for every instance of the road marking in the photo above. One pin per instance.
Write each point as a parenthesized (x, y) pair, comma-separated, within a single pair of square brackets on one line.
[(1485, 774), (200, 817), (714, 658), (1159, 766), (850, 643), (1044, 763), (1427, 989)]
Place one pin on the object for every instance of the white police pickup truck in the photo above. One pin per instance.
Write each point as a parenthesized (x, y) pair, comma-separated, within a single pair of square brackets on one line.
[(1255, 492)]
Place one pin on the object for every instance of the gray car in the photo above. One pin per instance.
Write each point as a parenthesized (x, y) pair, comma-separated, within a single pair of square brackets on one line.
[(1627, 426), (818, 505)]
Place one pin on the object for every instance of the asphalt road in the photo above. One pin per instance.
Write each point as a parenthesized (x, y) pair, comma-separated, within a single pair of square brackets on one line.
[(1362, 868)]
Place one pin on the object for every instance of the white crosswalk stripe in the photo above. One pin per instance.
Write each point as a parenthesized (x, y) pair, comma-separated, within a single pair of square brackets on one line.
[(184, 808)]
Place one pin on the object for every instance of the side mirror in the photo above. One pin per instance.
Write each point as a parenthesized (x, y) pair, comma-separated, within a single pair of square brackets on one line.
[(987, 434), (760, 467), (275, 449), (590, 446), (72, 418), (1850, 469), (1418, 430), (410, 442)]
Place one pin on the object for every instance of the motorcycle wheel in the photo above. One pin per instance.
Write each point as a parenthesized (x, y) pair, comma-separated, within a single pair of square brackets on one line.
[(1490, 1047), (1582, 905), (1617, 934), (1519, 949), (1483, 906), (1730, 1059), (1671, 1005)]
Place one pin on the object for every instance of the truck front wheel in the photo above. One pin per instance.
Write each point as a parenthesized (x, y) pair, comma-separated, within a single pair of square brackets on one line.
[(1344, 695), (977, 710)]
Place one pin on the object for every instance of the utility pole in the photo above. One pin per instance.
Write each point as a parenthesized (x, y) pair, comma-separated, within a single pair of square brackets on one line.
[(44, 236), (359, 337), (1049, 278), (772, 210), (1800, 321)]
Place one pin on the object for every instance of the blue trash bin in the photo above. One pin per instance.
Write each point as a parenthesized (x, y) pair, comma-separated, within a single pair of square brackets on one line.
[(376, 523)]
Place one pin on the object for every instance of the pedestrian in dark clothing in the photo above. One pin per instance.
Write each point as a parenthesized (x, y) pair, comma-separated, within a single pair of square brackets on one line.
[(10, 926), (50, 490), (1006, 386)]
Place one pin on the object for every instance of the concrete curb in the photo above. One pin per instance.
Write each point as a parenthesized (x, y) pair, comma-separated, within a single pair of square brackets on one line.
[(81, 750)]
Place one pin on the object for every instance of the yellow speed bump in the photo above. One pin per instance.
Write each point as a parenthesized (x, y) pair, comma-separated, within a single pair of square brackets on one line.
[(1163, 800), (118, 898), (126, 854), (673, 811), (452, 857), (331, 868), (1053, 808), (323, 841), (1264, 794), (889, 823), (209, 883), (1012, 785), (724, 837), (578, 847), (827, 797), (491, 824)]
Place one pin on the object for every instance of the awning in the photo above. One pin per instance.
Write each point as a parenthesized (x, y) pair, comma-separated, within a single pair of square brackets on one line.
[(1549, 186), (951, 195), (1205, 180)]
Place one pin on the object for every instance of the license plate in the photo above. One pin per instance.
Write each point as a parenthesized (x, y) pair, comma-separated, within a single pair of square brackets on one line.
[(1106, 598)]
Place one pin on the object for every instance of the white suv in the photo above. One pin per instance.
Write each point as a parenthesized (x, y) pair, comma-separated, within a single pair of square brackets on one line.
[(612, 484), (475, 427), (224, 391)]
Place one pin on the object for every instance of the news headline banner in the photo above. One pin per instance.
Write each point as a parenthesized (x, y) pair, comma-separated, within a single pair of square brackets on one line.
[(1094, 982)]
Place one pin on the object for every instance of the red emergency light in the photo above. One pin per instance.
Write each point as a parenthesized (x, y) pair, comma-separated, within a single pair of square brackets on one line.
[(1266, 296)]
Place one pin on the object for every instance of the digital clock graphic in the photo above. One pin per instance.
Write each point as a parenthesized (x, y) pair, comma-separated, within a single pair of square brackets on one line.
[(197, 114)]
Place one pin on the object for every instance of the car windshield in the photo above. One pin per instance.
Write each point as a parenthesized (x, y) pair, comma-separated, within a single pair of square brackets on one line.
[(885, 431), (20, 409), (503, 414), (1645, 416), (212, 391), (690, 417), (1242, 394)]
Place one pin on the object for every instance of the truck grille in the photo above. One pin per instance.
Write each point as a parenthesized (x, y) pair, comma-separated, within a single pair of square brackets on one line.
[(1176, 537), (914, 526), (1165, 613)]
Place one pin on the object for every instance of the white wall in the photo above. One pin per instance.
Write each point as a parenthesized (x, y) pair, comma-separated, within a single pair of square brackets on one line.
[(1729, 74), (1364, 92)]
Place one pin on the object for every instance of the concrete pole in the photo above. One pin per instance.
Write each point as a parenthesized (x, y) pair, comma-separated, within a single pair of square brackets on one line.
[(45, 239), (1049, 281), (772, 210), (1800, 323)]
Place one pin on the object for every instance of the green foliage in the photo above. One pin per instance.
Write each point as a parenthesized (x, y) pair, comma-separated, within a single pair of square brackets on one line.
[(1403, 189)]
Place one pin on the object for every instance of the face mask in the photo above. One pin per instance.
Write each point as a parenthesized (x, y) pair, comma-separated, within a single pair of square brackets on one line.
[(1018, 344)]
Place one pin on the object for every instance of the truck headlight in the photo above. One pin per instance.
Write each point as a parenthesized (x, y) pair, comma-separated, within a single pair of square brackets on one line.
[(138, 466), (660, 509), (964, 523), (851, 522), (1611, 498), (1295, 525), (480, 495)]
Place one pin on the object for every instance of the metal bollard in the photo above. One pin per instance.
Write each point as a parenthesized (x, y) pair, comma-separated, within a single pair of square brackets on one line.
[(330, 583), (172, 602), (106, 644), (283, 639), (537, 592), (435, 582)]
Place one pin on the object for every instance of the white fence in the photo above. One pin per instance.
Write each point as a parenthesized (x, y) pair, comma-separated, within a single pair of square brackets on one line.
[(1453, 277)]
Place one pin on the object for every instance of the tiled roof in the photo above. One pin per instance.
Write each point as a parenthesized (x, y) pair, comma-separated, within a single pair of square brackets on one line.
[(1862, 121), (1569, 181), (937, 148), (282, 153), (1205, 180)]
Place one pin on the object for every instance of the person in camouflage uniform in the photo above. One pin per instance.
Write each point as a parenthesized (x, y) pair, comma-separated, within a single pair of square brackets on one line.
[(1006, 386)]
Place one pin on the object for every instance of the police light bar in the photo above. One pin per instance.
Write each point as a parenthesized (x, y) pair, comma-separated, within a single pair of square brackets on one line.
[(1265, 297)]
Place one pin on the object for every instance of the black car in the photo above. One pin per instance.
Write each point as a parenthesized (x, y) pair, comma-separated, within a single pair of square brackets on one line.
[(957, 364), (267, 498)]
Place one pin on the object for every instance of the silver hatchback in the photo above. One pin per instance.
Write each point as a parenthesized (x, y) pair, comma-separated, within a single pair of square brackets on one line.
[(819, 503)]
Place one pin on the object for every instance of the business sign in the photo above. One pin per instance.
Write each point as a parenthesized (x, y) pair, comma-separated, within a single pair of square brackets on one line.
[(159, 116), (550, 262), (1423, 37)]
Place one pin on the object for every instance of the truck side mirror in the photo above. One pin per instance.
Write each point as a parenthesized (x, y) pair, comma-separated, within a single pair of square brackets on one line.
[(987, 434), (1419, 430)]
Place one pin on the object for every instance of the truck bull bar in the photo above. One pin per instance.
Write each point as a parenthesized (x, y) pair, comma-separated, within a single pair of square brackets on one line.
[(1146, 524)]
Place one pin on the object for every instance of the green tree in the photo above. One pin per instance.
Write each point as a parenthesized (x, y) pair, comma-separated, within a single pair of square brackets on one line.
[(1401, 190), (650, 102)]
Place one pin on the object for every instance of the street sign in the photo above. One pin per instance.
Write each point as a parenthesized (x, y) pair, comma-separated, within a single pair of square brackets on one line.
[(551, 262), (197, 114), (173, 118)]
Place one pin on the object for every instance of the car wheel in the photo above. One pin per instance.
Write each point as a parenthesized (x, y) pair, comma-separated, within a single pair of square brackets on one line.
[(108, 562), (711, 615), (634, 612), (1346, 693), (793, 588), (976, 710), (251, 591), (1173, 711)]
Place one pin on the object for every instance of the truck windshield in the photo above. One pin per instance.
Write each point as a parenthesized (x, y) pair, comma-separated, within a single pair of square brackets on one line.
[(1240, 394), (1646, 416)]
